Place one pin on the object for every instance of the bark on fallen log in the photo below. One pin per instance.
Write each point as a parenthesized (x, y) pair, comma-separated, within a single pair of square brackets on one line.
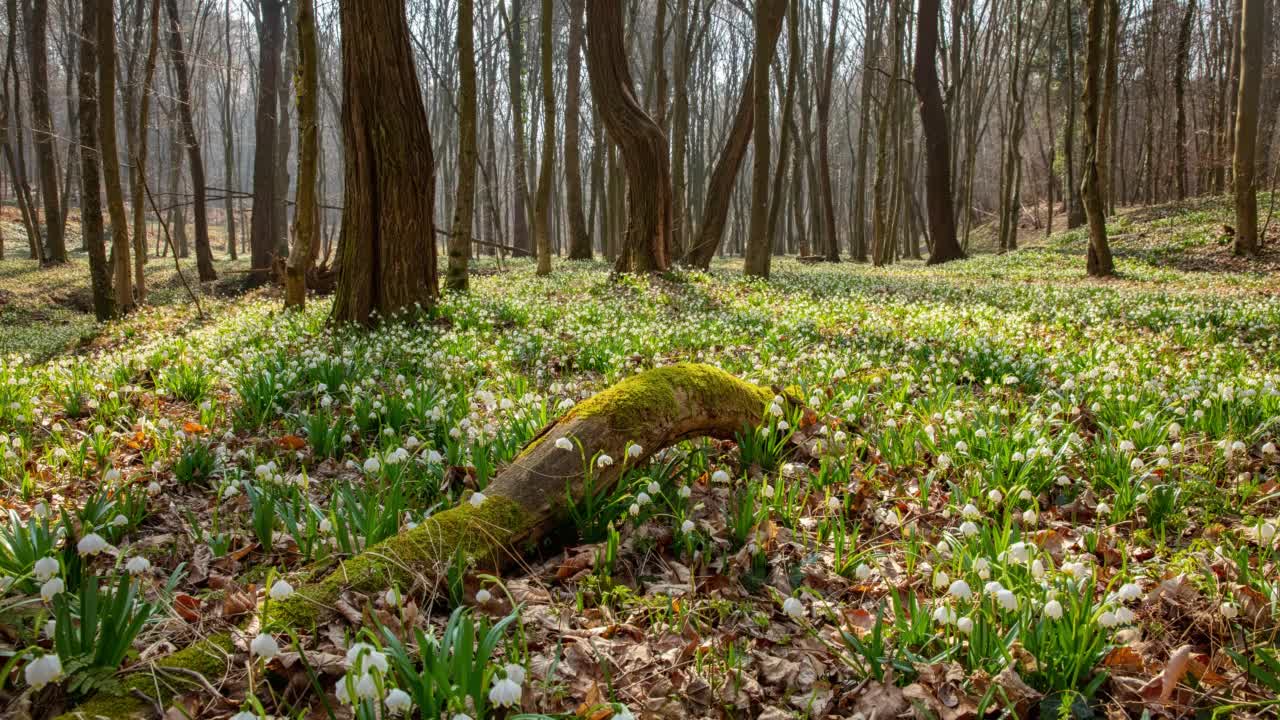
[(524, 504)]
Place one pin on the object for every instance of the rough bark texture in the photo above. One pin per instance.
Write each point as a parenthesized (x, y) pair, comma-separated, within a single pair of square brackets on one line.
[(139, 161), (1107, 108), (644, 146), (546, 176), (524, 504), (306, 220), (90, 188), (262, 233), (1179, 100), (106, 129), (515, 80), (204, 254), (769, 15), (1253, 16), (464, 201), (827, 199), (35, 17), (387, 258), (1099, 262), (579, 235), (937, 140)]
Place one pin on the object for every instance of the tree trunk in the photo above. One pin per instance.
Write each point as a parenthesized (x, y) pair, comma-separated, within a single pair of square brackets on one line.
[(139, 164), (90, 188), (825, 189), (520, 240), (464, 201), (106, 129), (542, 207), (35, 18), (284, 133), (1075, 207), (387, 260), (228, 141), (768, 19), (579, 235), (1107, 108), (204, 254), (262, 233), (644, 146), (933, 118), (1179, 95), (1252, 36), (1099, 262), (306, 221)]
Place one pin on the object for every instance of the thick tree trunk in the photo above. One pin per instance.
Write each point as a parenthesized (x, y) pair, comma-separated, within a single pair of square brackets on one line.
[(284, 132), (35, 18), (768, 17), (933, 118), (1099, 261), (262, 232), (546, 177), (644, 146), (387, 261), (106, 129), (90, 186), (204, 254), (1252, 37), (464, 201), (579, 235), (525, 504), (1075, 207), (306, 227)]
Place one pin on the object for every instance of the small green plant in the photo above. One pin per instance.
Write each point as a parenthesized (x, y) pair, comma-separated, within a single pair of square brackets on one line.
[(196, 464), (451, 673), (94, 631), (22, 544)]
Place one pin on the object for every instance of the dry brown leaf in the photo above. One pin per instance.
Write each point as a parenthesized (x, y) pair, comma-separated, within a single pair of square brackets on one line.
[(1160, 688), (238, 602), (1125, 660)]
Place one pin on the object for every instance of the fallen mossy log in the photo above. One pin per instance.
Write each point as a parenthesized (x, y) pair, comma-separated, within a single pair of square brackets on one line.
[(525, 503)]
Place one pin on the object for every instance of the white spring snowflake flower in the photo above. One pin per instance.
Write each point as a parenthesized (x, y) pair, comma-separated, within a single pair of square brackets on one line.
[(46, 567), (51, 588), (264, 646), (564, 443), (505, 693), (604, 461), (960, 590), (720, 476), (634, 451), (91, 545), (687, 527), (477, 499), (1229, 610), (964, 625), (398, 701), (137, 565), (281, 590), (42, 671), (1007, 599), (1053, 610), (483, 596), (1129, 592), (794, 608)]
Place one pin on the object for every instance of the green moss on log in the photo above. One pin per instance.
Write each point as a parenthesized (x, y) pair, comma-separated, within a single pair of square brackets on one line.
[(480, 533), (654, 396), (207, 657)]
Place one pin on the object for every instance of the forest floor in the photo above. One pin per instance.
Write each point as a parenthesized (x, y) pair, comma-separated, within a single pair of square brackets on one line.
[(1040, 493)]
